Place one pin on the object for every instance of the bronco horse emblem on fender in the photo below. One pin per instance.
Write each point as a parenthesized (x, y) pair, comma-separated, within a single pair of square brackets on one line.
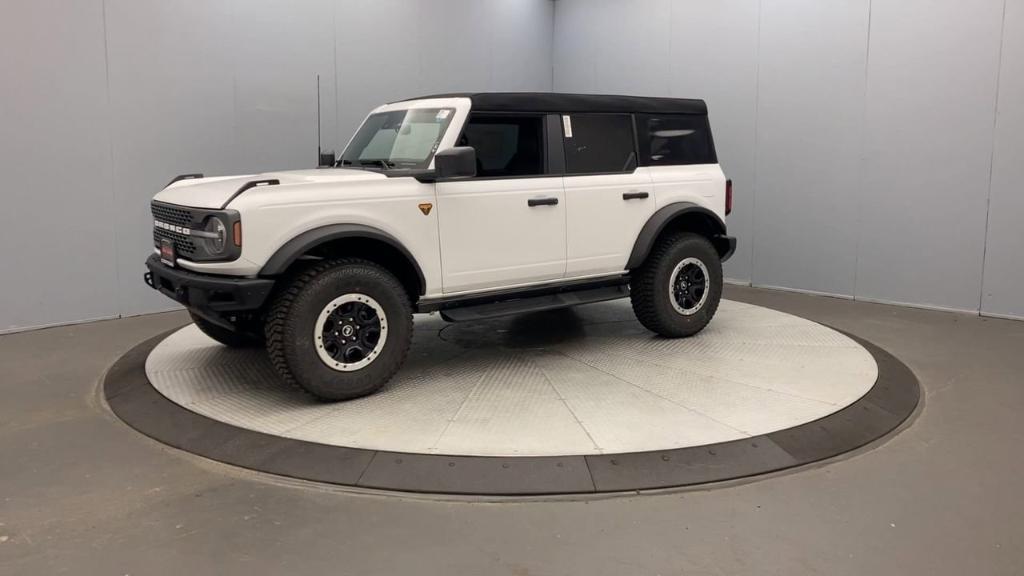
[(425, 208)]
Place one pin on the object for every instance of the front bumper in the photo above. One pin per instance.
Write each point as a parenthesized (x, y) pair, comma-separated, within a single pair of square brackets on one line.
[(209, 295)]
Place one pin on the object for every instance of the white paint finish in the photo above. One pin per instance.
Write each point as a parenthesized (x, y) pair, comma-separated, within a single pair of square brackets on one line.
[(810, 120), (931, 96), (1003, 288), (701, 184), (714, 56), (56, 235), (601, 227), (615, 389), (491, 237)]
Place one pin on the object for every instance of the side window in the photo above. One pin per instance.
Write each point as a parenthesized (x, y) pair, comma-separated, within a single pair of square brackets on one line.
[(506, 144), (598, 143), (674, 140)]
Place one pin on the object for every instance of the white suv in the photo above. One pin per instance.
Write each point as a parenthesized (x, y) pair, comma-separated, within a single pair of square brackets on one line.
[(471, 205)]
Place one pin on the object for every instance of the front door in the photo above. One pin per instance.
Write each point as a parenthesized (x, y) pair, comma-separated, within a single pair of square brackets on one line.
[(506, 227)]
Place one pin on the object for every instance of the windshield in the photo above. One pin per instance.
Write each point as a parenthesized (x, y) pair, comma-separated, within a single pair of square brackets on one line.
[(398, 139)]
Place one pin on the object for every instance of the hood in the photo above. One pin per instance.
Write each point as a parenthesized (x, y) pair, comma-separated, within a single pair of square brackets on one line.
[(215, 192)]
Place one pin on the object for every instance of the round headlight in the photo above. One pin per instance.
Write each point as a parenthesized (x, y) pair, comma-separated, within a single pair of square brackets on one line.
[(216, 244)]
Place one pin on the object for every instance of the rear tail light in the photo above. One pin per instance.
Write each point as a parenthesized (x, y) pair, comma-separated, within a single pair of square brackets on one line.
[(728, 197)]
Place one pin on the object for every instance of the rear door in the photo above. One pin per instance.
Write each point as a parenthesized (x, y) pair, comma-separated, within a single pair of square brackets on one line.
[(608, 196), (506, 226)]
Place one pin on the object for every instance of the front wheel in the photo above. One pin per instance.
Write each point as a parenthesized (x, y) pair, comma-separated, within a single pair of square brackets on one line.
[(676, 292), (340, 329)]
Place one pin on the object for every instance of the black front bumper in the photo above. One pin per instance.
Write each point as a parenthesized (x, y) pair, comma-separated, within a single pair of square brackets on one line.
[(207, 294)]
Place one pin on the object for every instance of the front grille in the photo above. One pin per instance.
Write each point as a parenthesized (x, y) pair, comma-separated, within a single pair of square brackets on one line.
[(184, 245), (172, 215)]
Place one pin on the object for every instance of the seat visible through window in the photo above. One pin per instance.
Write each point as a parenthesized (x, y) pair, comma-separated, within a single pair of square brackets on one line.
[(506, 144)]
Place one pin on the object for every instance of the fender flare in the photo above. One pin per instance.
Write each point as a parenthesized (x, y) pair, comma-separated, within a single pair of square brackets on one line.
[(661, 218), (299, 245)]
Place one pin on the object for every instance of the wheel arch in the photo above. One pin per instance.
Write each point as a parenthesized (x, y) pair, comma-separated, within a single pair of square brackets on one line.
[(680, 216), (358, 240)]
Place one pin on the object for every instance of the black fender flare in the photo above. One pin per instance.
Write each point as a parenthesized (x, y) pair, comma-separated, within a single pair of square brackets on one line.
[(303, 243), (666, 214)]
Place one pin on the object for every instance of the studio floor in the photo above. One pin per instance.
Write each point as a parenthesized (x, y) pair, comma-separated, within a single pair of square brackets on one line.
[(81, 492)]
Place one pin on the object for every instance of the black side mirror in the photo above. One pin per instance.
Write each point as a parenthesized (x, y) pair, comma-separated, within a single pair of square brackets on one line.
[(457, 162)]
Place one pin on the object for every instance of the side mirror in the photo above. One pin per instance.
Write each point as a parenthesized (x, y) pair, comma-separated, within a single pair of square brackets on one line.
[(453, 163)]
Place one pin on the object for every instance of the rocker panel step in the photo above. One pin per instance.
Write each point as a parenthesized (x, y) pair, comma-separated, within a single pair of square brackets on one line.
[(535, 303)]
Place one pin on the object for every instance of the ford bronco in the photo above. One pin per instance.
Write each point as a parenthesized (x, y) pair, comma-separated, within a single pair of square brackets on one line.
[(470, 205)]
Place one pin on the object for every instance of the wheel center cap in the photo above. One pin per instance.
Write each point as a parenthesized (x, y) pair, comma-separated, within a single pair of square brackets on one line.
[(347, 330)]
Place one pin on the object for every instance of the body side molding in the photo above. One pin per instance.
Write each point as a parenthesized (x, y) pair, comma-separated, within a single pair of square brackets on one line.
[(310, 239), (661, 218)]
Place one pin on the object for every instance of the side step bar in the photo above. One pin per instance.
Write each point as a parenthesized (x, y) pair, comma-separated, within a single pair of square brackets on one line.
[(535, 303)]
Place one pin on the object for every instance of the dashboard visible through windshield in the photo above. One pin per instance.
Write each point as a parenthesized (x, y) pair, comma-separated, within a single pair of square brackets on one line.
[(405, 139)]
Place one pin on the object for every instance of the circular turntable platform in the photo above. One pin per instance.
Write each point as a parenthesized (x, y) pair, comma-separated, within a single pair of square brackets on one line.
[(577, 400)]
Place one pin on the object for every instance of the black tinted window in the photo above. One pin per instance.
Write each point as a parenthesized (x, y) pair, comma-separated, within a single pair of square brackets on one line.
[(596, 143), (506, 145), (673, 140)]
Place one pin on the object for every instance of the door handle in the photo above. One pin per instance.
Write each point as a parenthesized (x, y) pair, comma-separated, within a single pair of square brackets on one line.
[(542, 202), (634, 195)]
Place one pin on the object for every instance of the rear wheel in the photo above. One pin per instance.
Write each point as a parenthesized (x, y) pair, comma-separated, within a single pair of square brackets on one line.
[(340, 329), (676, 292), (230, 338)]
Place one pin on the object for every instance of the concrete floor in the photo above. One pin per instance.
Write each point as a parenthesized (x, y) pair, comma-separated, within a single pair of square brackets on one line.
[(82, 493)]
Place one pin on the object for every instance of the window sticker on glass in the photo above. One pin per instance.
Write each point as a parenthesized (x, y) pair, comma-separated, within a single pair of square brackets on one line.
[(567, 126), (443, 113)]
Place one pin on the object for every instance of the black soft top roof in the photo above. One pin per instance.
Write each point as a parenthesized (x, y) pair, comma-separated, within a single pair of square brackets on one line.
[(556, 102)]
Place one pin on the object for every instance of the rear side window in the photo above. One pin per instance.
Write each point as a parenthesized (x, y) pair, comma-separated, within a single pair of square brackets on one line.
[(506, 145), (598, 143), (667, 140)]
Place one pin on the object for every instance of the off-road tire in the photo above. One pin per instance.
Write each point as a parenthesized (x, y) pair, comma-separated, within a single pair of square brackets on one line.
[(229, 338), (650, 285), (295, 311)]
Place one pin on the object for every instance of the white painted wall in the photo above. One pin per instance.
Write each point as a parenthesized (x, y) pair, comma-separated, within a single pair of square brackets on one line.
[(104, 101), (862, 135)]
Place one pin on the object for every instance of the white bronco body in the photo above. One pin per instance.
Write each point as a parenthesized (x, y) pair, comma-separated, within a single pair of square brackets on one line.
[(468, 201)]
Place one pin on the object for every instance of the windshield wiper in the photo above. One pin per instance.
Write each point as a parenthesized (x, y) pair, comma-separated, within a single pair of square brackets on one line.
[(384, 164)]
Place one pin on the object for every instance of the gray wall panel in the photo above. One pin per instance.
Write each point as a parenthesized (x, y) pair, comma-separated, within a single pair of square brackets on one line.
[(873, 125), (435, 47), (726, 77), (56, 232), (219, 87), (521, 45), (684, 48), (882, 185), (809, 136), (278, 49), (172, 94), (930, 104), (1003, 290)]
